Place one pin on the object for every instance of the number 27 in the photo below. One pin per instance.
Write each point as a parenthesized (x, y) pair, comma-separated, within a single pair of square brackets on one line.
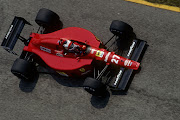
[(114, 59)]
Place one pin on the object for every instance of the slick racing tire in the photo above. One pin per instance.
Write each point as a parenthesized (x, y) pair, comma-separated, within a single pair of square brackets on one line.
[(124, 32), (118, 27), (49, 20), (23, 69), (94, 87), (46, 18)]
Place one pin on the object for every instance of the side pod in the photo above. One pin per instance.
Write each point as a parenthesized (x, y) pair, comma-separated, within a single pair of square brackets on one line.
[(13, 34)]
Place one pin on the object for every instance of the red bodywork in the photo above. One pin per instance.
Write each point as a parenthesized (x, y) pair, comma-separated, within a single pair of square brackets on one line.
[(47, 47)]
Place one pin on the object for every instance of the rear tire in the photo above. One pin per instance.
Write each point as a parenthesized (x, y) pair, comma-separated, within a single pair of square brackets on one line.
[(24, 69), (95, 87), (48, 20), (46, 17)]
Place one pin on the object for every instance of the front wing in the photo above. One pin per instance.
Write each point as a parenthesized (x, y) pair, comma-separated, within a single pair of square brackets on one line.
[(122, 78)]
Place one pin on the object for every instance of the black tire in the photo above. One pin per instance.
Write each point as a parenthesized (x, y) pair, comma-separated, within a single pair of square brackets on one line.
[(23, 69), (118, 28), (46, 18), (95, 87)]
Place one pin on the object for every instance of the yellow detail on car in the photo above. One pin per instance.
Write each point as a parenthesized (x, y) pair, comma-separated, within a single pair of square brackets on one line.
[(82, 70)]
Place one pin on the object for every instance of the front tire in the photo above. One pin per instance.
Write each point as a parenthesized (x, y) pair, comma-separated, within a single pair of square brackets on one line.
[(94, 87), (119, 27), (124, 32)]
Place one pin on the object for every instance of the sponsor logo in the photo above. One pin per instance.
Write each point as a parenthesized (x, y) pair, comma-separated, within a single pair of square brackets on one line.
[(92, 51), (118, 77), (62, 73), (107, 56), (82, 70), (89, 88), (59, 54), (127, 63), (131, 49), (45, 49), (9, 31), (99, 53)]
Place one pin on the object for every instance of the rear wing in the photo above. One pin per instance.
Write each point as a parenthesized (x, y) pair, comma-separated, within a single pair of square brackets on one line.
[(13, 34)]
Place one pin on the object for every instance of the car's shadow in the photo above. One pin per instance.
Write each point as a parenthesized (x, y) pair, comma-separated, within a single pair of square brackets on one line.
[(97, 102), (100, 102), (28, 86)]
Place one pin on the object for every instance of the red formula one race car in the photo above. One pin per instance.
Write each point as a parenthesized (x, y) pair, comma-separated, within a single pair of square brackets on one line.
[(75, 52)]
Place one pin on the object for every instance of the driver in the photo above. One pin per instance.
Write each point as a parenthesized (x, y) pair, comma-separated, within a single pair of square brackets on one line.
[(71, 46)]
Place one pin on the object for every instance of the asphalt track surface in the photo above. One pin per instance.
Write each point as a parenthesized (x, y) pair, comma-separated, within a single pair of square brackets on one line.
[(154, 93)]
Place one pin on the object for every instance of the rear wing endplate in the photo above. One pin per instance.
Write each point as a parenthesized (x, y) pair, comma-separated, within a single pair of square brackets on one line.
[(13, 34)]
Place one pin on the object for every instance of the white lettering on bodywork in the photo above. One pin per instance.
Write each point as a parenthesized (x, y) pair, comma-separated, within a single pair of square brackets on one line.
[(131, 49), (118, 77), (107, 56), (9, 31), (45, 49), (92, 51), (115, 57), (127, 63)]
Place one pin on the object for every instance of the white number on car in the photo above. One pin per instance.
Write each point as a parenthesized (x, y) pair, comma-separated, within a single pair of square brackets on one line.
[(115, 57)]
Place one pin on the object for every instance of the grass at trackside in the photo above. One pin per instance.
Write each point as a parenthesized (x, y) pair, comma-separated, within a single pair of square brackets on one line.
[(175, 3)]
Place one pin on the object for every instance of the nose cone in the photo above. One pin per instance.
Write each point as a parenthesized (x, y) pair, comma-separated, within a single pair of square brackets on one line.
[(130, 64), (136, 66)]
